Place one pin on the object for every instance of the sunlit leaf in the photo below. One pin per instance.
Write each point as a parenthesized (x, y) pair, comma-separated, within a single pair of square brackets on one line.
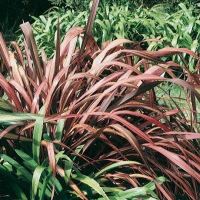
[(90, 182)]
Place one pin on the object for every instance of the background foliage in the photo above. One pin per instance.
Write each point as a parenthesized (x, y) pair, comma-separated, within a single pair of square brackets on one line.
[(177, 27), (12, 13)]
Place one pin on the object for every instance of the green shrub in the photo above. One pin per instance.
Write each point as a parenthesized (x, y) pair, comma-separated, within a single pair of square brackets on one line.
[(179, 29)]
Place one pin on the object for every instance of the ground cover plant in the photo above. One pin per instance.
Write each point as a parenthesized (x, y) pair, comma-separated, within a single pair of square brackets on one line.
[(90, 124)]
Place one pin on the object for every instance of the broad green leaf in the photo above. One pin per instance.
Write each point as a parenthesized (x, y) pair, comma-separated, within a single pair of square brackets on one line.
[(59, 131), (19, 167), (175, 40), (161, 179), (48, 24), (194, 45), (139, 192), (147, 189), (43, 19), (63, 156), (47, 137), (90, 182), (35, 181), (50, 182), (35, 18), (185, 10), (101, 24), (28, 161), (13, 118), (67, 169), (37, 135)]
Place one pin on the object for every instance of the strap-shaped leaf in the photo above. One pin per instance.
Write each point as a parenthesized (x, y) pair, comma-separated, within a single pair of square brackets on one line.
[(4, 52), (89, 25), (28, 34), (37, 135)]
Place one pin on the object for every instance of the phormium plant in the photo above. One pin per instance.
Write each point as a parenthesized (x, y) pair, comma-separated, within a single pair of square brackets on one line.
[(89, 123)]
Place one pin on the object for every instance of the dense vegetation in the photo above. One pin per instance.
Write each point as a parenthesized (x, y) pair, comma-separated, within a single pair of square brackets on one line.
[(13, 13), (178, 27), (102, 104)]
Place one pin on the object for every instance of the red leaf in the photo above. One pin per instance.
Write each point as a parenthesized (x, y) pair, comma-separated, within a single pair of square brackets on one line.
[(176, 160)]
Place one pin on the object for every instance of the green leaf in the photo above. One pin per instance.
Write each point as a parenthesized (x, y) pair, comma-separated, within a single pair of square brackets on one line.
[(161, 179), (43, 19), (48, 24), (142, 192), (37, 135), (47, 137), (13, 118), (67, 168), (175, 40), (19, 167), (58, 186), (90, 182), (13, 182), (115, 165), (59, 131), (5, 105), (68, 164), (62, 155), (28, 161), (36, 179), (18, 191), (139, 192), (101, 24), (77, 150), (111, 189), (44, 190)]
